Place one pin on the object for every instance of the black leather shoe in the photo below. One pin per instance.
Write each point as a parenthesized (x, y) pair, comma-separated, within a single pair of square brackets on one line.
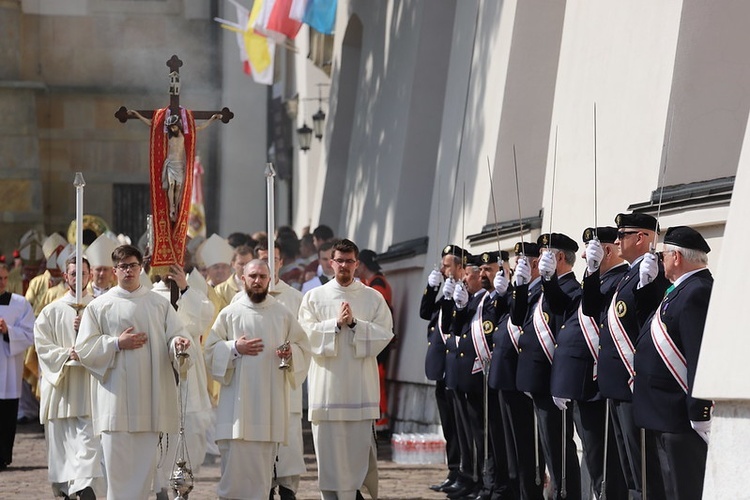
[(465, 490), (458, 484), (441, 487), (86, 494)]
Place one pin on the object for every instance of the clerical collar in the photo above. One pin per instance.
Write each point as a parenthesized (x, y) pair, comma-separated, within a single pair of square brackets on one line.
[(5, 298)]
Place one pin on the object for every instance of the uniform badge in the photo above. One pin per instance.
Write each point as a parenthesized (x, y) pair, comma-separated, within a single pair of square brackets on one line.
[(588, 235), (621, 309), (545, 239), (487, 326), (447, 249), (546, 317)]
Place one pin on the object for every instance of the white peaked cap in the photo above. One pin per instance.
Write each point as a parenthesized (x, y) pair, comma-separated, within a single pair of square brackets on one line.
[(162, 289), (145, 280), (216, 250), (30, 246), (99, 252), (64, 254), (51, 243), (196, 280)]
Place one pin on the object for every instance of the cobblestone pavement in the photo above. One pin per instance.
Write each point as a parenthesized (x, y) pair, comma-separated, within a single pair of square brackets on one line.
[(26, 478)]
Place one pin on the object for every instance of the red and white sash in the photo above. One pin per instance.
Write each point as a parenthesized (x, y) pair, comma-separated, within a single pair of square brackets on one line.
[(672, 357), (480, 340), (514, 332), (543, 332), (622, 342), (590, 330)]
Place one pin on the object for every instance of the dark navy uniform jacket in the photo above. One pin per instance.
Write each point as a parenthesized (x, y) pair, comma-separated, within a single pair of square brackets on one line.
[(613, 377), (465, 354), (659, 403), (429, 309), (504, 356), (534, 369)]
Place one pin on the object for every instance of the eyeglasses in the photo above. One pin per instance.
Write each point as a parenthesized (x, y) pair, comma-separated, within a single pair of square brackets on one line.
[(622, 234), (342, 262), (125, 267), (663, 254)]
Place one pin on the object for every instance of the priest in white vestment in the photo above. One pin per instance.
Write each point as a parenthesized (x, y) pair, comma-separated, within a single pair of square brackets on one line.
[(290, 461), (16, 335), (127, 340), (348, 324), (74, 458), (242, 352), (196, 313)]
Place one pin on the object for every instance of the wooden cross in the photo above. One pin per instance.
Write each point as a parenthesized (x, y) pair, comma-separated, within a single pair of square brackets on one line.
[(174, 65)]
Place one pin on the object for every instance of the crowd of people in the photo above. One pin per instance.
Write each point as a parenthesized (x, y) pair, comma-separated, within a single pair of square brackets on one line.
[(520, 359), (210, 356)]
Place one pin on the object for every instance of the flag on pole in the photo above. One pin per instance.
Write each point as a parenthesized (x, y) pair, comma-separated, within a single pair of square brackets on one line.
[(197, 216), (321, 15), (297, 10), (280, 21), (256, 51)]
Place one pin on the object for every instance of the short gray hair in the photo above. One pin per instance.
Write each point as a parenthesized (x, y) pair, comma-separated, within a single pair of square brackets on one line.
[(689, 254)]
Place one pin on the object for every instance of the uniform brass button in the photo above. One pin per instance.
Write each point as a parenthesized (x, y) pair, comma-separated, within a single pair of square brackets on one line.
[(562, 327), (447, 351), (555, 346), (493, 345), (429, 343), (463, 336), (520, 350), (462, 355), (432, 329)]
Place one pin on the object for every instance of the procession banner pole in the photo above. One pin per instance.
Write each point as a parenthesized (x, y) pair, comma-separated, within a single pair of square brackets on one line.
[(79, 183), (270, 222)]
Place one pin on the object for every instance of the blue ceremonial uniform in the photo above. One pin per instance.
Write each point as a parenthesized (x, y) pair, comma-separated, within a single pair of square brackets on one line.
[(659, 403), (613, 376), (434, 310)]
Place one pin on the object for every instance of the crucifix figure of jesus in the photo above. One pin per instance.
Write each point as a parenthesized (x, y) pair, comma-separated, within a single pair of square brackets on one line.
[(171, 159)]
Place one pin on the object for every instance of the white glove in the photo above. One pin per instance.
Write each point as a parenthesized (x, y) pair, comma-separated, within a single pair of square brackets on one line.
[(648, 269), (435, 278), (547, 264), (523, 272), (561, 403), (501, 283), (450, 286), (594, 255), (703, 429), (461, 296)]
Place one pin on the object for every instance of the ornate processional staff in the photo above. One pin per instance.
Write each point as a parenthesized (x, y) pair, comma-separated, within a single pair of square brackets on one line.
[(171, 158)]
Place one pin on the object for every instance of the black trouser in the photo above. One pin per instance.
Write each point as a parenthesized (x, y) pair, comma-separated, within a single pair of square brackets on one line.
[(497, 449), (628, 437), (448, 423), (465, 439), (519, 437), (8, 417), (551, 435), (682, 457), (589, 419)]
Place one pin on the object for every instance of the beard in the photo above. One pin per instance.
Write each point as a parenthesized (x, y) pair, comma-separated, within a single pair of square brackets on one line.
[(256, 296), (486, 284)]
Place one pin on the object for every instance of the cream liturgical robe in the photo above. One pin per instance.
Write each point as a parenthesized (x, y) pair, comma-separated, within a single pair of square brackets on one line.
[(134, 390), (254, 398), (19, 317), (65, 385), (343, 379)]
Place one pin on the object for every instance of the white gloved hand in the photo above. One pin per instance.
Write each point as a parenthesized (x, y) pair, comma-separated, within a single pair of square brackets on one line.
[(703, 429), (435, 278), (461, 296), (501, 283), (547, 264), (648, 269), (594, 255), (561, 403), (450, 286), (523, 272)]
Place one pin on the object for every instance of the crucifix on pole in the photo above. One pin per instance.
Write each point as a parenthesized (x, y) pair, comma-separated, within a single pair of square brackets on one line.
[(171, 159)]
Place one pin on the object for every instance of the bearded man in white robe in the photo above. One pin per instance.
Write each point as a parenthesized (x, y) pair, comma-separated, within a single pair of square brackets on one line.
[(243, 352), (73, 450), (127, 340), (348, 324), (16, 335)]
